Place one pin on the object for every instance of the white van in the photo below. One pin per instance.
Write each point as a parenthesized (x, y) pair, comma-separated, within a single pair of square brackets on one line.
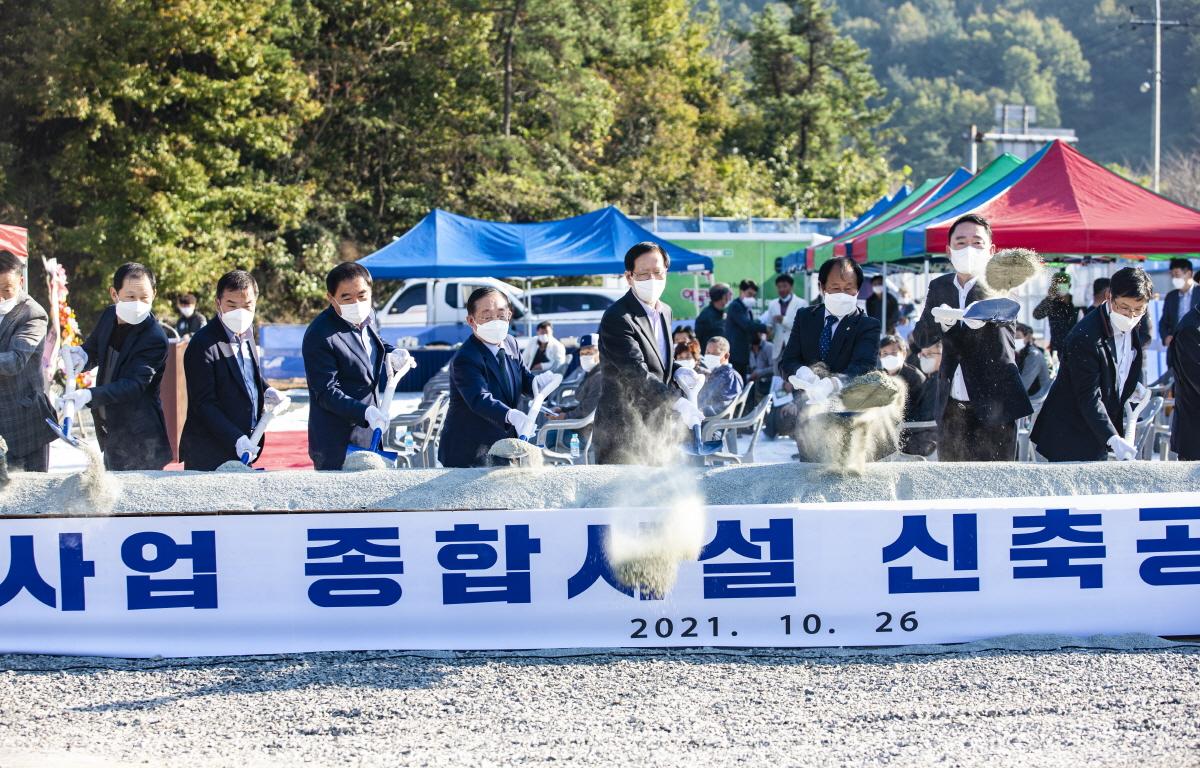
[(423, 303)]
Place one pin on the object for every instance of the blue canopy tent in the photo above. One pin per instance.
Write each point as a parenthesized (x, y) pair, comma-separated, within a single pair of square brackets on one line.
[(444, 244), (797, 261)]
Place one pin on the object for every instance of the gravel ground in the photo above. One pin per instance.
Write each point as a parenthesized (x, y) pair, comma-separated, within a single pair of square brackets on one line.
[(1025, 701)]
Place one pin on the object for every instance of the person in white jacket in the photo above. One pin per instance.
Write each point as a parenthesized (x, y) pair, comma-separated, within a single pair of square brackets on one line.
[(781, 312), (544, 352)]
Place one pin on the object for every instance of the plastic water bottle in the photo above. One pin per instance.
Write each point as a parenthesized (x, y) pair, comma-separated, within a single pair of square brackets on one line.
[(574, 447), (408, 442)]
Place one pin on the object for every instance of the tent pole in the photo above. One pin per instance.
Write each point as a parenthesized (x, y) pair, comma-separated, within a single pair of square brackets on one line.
[(925, 287), (884, 296), (528, 309)]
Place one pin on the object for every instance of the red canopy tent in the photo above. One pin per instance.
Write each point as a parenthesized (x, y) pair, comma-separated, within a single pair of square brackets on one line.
[(14, 240), (1067, 204)]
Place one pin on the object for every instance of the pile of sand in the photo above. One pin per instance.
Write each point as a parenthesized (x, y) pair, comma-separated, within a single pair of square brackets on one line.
[(235, 466), (629, 487), (361, 461)]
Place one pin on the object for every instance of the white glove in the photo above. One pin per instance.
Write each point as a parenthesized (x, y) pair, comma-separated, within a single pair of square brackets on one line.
[(272, 397), (688, 413), (516, 418), (803, 378), (399, 359), (1139, 394), (822, 390), (946, 316), (80, 397), (1122, 448), (244, 446), (74, 357), (375, 419), (541, 380)]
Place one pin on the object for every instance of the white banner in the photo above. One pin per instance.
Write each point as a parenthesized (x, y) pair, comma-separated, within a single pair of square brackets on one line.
[(800, 575)]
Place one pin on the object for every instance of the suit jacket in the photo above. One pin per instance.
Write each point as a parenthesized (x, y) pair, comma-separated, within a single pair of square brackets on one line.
[(1170, 314), (739, 327), (131, 427), (1035, 374), (853, 351), (22, 387), (342, 382), (1085, 406), (637, 391), (987, 356), (710, 322), (587, 395), (219, 409), (483, 388), (1183, 357)]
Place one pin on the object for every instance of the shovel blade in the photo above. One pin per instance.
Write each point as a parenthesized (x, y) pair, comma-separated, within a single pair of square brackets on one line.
[(66, 437)]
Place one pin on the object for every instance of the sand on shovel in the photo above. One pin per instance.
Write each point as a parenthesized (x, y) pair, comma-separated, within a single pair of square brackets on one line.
[(511, 451), (362, 461), (233, 465)]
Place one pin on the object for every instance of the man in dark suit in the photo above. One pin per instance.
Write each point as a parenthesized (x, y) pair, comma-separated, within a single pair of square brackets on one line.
[(129, 350), (637, 392), (1179, 300), (226, 390), (347, 364), (984, 393), (24, 406), (711, 320), (741, 326), (1100, 368), (1183, 358), (834, 332), (487, 380)]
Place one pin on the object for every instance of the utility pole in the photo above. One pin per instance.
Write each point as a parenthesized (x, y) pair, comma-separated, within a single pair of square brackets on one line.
[(1158, 22)]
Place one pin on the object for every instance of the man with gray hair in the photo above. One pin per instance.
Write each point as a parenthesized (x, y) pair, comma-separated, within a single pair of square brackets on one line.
[(723, 384), (23, 325), (711, 320)]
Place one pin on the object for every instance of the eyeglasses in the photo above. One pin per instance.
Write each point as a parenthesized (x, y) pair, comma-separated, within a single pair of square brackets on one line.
[(488, 316), (659, 275)]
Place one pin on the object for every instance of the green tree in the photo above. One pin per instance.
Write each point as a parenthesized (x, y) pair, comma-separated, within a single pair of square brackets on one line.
[(814, 111), (154, 132)]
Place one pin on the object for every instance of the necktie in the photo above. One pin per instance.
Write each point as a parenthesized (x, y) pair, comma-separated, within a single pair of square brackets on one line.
[(827, 336), (247, 367)]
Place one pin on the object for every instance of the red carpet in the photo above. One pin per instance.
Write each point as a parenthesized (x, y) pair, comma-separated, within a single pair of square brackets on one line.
[(284, 450)]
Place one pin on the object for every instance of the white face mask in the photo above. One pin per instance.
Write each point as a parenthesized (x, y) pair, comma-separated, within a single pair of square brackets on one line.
[(891, 363), (970, 260), (877, 290), (1179, 282), (543, 338), (928, 365), (238, 320), (588, 362), (187, 311), (712, 362), (7, 305), (355, 312), (751, 302), (689, 364), (840, 304), (1121, 322), (649, 290), (1020, 344), (493, 331), (133, 312)]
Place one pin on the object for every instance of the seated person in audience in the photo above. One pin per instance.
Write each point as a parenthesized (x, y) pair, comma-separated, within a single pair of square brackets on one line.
[(587, 396), (544, 353), (687, 354), (762, 365), (723, 384), (1031, 362), (1083, 417), (892, 353)]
